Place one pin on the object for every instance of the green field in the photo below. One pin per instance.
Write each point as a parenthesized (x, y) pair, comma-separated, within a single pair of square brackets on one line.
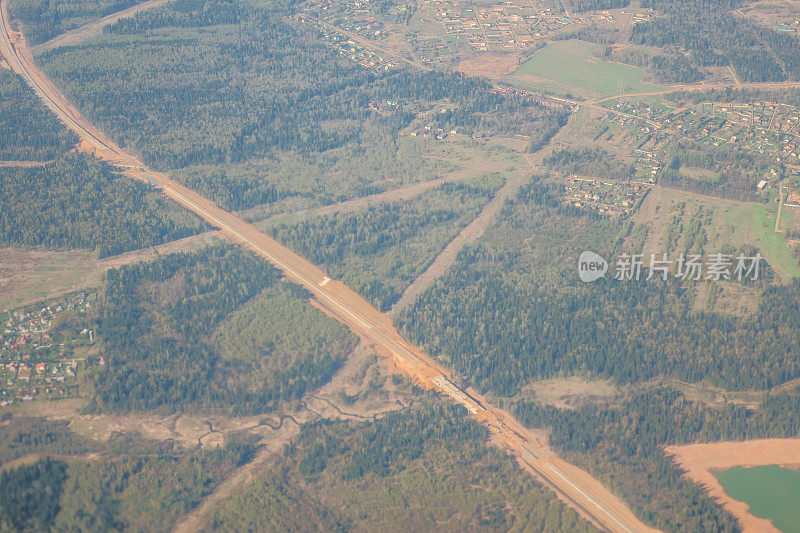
[(771, 492), (772, 244), (568, 67)]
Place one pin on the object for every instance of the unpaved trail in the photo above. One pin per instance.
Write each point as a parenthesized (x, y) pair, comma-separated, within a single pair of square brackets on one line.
[(25, 273), (594, 501), (316, 404), (699, 460), (94, 27), (473, 231), (402, 193)]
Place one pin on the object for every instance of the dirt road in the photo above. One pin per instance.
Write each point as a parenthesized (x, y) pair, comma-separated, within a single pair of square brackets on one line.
[(472, 232), (578, 488), (94, 27)]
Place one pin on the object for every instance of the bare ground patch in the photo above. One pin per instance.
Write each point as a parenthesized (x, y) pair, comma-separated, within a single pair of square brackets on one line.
[(489, 65), (565, 393), (31, 276)]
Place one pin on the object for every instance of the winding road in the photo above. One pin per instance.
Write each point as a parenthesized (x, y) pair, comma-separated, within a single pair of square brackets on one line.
[(573, 485)]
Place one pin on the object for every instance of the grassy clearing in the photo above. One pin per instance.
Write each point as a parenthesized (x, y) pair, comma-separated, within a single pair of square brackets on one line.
[(568, 66), (772, 244), (379, 250), (669, 215)]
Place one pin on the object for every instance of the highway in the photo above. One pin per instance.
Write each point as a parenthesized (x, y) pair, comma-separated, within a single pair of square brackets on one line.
[(573, 485)]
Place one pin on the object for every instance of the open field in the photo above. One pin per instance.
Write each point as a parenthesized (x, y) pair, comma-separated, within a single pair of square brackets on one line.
[(772, 13), (669, 215), (568, 67), (29, 276), (475, 229), (700, 460), (771, 491)]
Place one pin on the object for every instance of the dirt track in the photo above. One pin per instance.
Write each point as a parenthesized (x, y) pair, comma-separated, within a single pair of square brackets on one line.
[(472, 232), (32, 276), (94, 28), (590, 498), (700, 459)]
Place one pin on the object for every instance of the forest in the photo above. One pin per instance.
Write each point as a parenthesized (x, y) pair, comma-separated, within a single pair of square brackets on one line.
[(425, 467), (79, 202), (44, 19), (726, 172), (31, 132), (139, 491), (381, 249), (713, 36), (511, 311), (589, 162), (182, 96), (622, 445), (168, 346)]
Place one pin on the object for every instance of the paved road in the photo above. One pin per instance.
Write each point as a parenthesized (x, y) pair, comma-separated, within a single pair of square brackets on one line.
[(572, 484)]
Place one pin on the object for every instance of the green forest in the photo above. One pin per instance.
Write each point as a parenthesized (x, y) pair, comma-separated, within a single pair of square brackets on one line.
[(512, 309), (713, 36), (621, 444), (30, 131), (79, 202), (144, 487), (380, 250), (180, 96), (213, 330), (44, 19), (420, 469)]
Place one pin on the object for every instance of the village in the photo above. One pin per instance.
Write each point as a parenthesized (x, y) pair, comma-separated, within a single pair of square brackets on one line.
[(765, 128), (39, 359), (616, 200), (507, 26)]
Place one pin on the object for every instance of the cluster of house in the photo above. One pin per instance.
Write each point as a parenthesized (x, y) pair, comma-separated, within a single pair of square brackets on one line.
[(35, 359), (611, 199), (764, 128), (505, 26), (763, 117)]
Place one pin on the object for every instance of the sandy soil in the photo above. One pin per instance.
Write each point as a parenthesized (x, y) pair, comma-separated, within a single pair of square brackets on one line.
[(700, 460), (489, 65)]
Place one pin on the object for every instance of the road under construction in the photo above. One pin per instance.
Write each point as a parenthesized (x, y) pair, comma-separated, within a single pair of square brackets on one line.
[(573, 485)]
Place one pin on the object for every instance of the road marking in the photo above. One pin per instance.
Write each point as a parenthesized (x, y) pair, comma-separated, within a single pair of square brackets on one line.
[(588, 497)]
